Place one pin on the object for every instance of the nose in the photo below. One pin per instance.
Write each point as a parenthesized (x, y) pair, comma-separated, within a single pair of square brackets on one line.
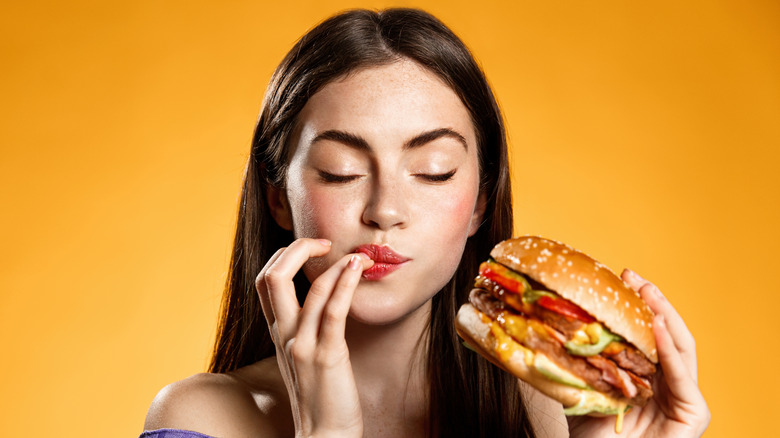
[(387, 207)]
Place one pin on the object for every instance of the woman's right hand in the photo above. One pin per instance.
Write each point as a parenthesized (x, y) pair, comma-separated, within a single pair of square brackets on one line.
[(310, 345)]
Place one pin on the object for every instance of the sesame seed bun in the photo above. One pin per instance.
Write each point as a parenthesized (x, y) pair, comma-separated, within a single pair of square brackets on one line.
[(585, 282)]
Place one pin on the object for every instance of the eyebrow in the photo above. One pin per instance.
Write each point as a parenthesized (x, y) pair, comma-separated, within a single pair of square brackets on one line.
[(360, 143)]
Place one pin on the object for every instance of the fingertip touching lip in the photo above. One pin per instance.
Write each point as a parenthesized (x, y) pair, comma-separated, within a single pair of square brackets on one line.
[(386, 261)]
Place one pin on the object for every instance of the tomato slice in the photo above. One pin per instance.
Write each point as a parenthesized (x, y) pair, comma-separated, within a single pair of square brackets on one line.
[(502, 275), (565, 308)]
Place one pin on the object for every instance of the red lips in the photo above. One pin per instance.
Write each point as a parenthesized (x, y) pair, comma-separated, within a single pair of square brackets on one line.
[(385, 260)]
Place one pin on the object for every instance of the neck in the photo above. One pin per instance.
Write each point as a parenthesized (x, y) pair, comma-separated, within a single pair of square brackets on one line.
[(389, 362), (388, 352)]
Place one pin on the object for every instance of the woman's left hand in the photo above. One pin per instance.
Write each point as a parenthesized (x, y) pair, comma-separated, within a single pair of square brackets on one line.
[(677, 408)]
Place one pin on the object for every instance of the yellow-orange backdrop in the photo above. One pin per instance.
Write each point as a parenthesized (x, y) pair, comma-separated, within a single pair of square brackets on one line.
[(643, 132)]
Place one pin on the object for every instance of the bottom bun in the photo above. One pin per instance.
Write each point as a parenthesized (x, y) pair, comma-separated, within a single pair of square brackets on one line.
[(491, 341)]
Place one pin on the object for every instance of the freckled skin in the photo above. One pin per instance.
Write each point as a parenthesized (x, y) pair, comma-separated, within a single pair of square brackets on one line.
[(389, 201)]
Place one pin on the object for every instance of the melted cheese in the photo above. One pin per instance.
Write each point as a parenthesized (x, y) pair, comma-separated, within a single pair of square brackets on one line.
[(594, 330), (506, 347), (619, 419), (580, 337)]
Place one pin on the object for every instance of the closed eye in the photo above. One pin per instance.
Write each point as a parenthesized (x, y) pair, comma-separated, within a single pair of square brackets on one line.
[(437, 177), (336, 179)]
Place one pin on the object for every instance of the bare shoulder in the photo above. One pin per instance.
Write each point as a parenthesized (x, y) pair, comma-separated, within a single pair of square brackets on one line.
[(545, 414), (249, 402)]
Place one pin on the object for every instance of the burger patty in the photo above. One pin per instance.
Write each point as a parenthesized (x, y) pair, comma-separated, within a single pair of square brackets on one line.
[(626, 356), (598, 372), (629, 358)]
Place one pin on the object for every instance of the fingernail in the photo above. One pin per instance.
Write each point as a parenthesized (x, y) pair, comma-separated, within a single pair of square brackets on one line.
[(325, 242), (658, 293), (354, 262)]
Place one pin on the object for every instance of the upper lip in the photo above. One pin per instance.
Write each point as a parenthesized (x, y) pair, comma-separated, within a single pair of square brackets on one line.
[(381, 254)]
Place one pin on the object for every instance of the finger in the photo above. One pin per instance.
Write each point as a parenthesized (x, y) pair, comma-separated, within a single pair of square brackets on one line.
[(683, 339), (320, 292), (279, 282), (262, 290), (675, 371), (681, 336), (334, 317)]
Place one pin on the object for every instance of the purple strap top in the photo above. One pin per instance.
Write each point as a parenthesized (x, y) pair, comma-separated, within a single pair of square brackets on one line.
[(173, 433)]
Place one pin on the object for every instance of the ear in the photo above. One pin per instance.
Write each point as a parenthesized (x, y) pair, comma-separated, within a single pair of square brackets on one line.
[(280, 207), (479, 213)]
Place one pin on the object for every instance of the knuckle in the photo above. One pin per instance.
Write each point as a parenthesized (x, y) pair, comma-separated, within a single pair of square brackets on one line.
[(318, 290), (272, 276), (260, 281), (691, 342), (331, 315), (298, 351), (330, 357)]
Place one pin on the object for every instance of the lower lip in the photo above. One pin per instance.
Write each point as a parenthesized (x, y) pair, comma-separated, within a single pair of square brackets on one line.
[(380, 270)]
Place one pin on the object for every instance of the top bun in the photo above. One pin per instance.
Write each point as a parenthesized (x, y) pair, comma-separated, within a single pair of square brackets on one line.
[(585, 282)]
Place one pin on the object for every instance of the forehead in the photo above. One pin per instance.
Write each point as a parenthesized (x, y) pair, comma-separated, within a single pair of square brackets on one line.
[(393, 101)]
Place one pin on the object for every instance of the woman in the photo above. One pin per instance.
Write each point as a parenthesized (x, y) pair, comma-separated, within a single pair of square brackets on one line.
[(377, 182)]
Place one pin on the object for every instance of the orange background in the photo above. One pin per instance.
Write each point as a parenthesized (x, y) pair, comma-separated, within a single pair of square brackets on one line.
[(645, 133)]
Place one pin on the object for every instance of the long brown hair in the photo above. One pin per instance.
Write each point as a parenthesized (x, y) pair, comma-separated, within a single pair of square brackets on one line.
[(467, 395)]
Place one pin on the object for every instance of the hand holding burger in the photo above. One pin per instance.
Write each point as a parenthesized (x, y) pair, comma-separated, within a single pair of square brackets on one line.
[(566, 324)]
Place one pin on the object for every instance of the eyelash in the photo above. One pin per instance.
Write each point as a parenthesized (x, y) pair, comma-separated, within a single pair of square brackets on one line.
[(337, 179), (437, 178), (342, 179)]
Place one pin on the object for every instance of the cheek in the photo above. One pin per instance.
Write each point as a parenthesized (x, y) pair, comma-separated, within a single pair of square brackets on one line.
[(453, 214), (447, 251), (320, 214), (448, 226), (317, 213)]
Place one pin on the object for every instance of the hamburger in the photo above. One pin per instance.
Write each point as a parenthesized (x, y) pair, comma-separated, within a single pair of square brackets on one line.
[(563, 322)]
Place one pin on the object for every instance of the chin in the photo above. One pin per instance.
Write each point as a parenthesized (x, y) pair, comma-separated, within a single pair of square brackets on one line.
[(370, 309)]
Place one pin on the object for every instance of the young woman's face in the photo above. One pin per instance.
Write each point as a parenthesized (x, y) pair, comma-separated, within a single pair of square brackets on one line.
[(385, 162)]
